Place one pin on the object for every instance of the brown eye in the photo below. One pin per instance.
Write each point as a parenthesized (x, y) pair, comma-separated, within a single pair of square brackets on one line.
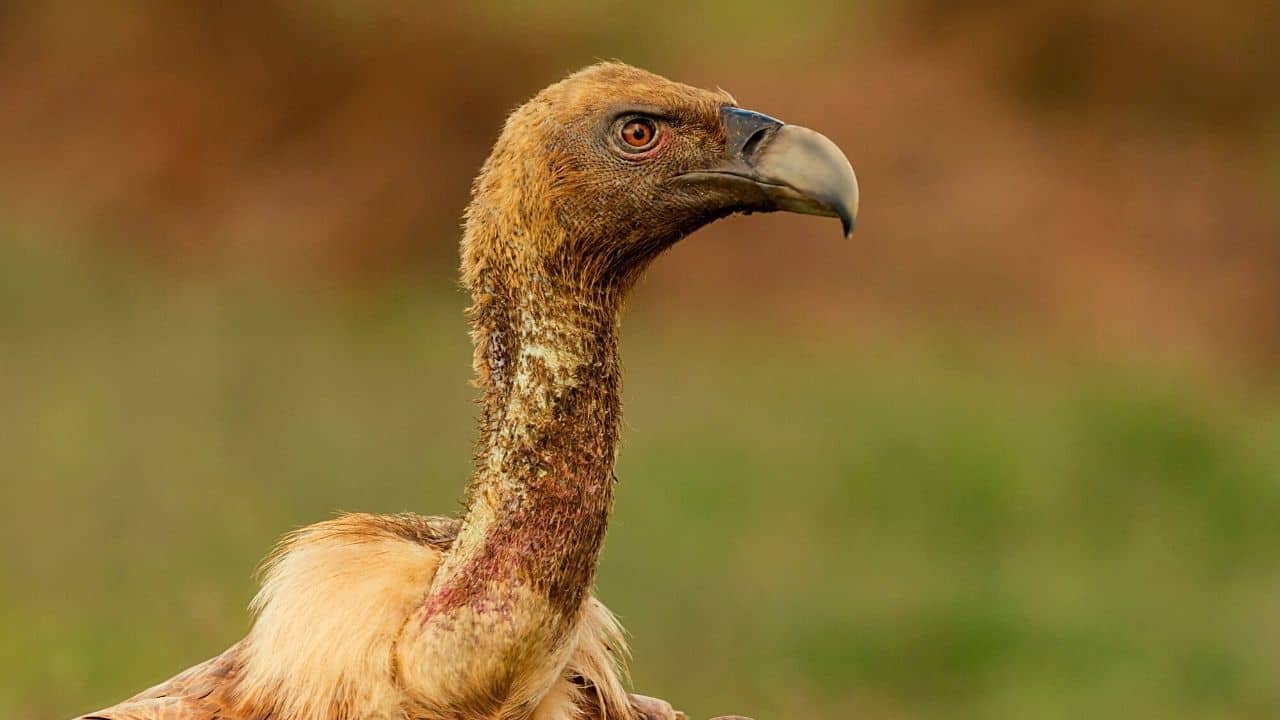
[(639, 133)]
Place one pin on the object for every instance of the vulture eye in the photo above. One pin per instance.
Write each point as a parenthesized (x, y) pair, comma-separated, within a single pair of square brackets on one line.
[(638, 134)]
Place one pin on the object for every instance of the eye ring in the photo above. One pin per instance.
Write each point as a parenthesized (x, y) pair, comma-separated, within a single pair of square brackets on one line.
[(637, 134)]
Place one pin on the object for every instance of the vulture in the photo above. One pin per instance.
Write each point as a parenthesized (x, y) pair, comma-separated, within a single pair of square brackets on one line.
[(492, 616)]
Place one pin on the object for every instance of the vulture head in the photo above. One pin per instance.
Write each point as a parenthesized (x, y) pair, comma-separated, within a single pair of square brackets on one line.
[(602, 171)]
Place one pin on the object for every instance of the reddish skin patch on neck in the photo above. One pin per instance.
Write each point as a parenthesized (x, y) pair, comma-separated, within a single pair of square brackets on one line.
[(554, 486)]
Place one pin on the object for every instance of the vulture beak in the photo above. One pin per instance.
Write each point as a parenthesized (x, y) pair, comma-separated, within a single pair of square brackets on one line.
[(776, 166)]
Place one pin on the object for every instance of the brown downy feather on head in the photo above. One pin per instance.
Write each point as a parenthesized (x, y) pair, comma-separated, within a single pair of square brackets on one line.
[(600, 172), (491, 617)]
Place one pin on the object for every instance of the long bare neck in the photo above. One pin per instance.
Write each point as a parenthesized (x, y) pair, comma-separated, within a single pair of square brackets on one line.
[(542, 488)]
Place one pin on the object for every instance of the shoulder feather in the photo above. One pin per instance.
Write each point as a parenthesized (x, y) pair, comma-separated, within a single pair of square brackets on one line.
[(198, 693)]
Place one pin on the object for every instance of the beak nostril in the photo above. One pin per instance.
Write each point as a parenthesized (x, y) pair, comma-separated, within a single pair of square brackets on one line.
[(745, 131), (753, 143)]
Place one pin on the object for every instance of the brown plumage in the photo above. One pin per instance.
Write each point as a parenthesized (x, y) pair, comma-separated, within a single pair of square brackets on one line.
[(491, 617)]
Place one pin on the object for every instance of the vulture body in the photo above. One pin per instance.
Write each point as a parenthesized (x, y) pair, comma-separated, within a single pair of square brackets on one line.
[(491, 616)]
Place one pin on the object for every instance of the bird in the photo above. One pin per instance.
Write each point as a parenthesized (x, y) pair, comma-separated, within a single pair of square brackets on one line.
[(492, 615)]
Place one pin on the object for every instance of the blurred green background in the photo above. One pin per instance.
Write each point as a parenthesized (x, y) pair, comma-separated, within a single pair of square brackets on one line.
[(1013, 452)]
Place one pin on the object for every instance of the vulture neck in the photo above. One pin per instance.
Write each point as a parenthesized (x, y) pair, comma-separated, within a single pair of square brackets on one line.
[(546, 359)]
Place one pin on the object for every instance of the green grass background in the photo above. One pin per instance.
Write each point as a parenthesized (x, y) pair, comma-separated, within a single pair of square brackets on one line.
[(820, 525)]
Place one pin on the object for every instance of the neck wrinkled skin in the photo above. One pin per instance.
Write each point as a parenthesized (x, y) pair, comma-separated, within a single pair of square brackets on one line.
[(542, 488)]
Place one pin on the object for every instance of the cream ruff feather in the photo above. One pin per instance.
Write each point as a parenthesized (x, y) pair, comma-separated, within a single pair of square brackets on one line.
[(336, 602)]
